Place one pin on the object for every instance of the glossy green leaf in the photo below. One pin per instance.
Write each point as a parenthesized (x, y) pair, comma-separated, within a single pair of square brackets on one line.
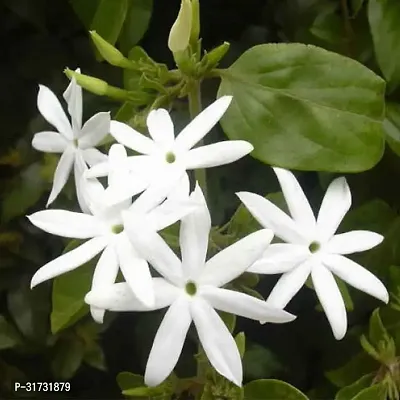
[(259, 362), (85, 10), (67, 358), (109, 19), (127, 380), (359, 365), (69, 291), (26, 192), (240, 340), (136, 23), (9, 336), (229, 320), (335, 106), (377, 331), (272, 389), (30, 311), (348, 392), (391, 125), (384, 20), (376, 392)]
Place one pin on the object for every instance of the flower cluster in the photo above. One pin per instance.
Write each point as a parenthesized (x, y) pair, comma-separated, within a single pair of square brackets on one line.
[(149, 191)]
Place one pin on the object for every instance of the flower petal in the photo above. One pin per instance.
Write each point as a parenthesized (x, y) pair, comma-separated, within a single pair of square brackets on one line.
[(356, 276), (279, 258), (168, 343), (202, 124), (244, 305), (296, 200), (73, 97), (49, 142), (105, 274), (153, 248), (193, 237), (67, 223), (270, 216), (127, 136), (95, 130), (235, 259), (353, 242), (93, 156), (181, 190), (336, 203), (135, 270), (119, 297), (161, 128), (61, 174), (51, 109), (331, 300), (69, 261), (80, 168), (217, 342), (288, 285), (217, 154)]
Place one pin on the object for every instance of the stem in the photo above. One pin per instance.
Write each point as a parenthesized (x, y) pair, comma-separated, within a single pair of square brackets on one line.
[(195, 109)]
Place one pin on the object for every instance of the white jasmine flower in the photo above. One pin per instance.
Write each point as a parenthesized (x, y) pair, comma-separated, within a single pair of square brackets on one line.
[(165, 153), (313, 248), (105, 230), (75, 142), (192, 288)]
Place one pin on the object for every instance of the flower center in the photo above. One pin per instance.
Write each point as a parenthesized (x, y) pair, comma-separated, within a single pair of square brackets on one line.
[(314, 247), (191, 288), (75, 142), (117, 228), (170, 157)]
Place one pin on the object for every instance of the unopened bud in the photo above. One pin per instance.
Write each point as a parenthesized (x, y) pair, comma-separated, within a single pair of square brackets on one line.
[(112, 55), (90, 83), (180, 33), (212, 58), (195, 30)]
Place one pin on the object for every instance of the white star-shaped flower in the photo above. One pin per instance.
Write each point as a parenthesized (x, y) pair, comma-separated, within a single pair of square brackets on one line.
[(165, 153), (75, 142), (192, 288), (313, 248), (105, 230)]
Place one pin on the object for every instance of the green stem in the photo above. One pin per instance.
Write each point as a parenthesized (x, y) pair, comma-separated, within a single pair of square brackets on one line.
[(195, 109)]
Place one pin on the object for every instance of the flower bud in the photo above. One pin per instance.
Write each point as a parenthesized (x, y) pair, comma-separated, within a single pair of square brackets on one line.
[(195, 31), (112, 55), (94, 85), (212, 58), (180, 33)]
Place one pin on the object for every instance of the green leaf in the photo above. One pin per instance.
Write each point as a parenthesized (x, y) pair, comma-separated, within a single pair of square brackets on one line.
[(384, 20), (356, 6), (391, 125), (240, 340), (94, 356), (136, 23), (69, 291), (109, 19), (376, 392), (30, 311), (127, 380), (370, 349), (68, 356), (359, 365), (229, 320), (272, 389), (377, 331), (25, 193), (348, 392), (258, 362), (85, 9), (335, 105), (9, 336)]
